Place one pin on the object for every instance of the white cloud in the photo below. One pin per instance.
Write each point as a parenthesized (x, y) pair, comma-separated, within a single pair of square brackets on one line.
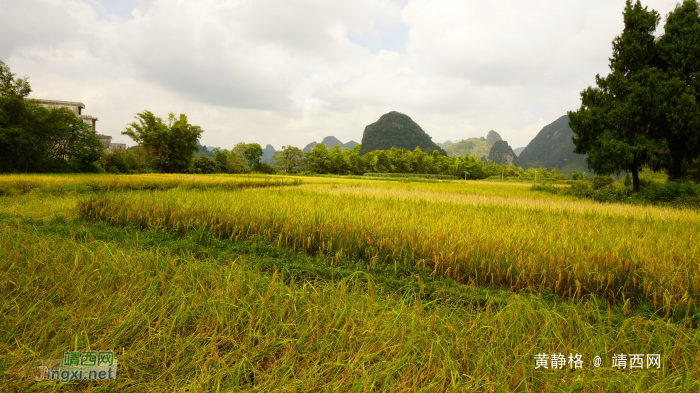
[(287, 71)]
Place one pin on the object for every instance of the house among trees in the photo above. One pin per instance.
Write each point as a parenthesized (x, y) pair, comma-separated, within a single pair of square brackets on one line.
[(77, 108)]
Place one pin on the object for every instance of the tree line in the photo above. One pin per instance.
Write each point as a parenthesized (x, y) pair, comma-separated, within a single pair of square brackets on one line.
[(244, 158)]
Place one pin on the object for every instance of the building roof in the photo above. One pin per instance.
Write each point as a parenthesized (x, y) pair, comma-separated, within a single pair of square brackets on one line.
[(66, 103)]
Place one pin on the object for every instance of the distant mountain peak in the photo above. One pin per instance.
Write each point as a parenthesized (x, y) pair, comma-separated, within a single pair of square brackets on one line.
[(502, 154), (553, 148), (492, 137), (331, 142), (395, 129)]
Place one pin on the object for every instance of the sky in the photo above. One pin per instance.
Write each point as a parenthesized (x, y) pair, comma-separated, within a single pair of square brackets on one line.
[(288, 72)]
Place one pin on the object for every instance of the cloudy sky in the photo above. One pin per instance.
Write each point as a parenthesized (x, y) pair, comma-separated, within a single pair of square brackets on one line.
[(292, 71)]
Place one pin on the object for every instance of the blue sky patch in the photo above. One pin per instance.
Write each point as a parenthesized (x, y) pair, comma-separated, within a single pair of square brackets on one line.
[(120, 8)]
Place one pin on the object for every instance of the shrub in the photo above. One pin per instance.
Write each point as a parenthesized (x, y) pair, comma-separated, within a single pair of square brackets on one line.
[(265, 168), (545, 188), (580, 185), (600, 182), (575, 175), (204, 165)]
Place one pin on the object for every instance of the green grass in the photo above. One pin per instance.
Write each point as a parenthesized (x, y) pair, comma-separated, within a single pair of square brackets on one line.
[(192, 312)]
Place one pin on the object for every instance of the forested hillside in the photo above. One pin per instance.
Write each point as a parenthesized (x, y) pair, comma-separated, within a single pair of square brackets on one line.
[(502, 154), (397, 130), (553, 148), (475, 147)]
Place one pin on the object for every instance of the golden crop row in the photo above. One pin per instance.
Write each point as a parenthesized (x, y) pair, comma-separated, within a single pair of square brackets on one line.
[(571, 251), (225, 326), (29, 182)]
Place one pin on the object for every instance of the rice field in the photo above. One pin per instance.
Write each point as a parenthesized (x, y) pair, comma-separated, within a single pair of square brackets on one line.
[(60, 184), (230, 283), (630, 254)]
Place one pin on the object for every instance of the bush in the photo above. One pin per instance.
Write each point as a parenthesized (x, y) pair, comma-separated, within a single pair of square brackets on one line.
[(666, 192), (115, 163), (265, 168), (95, 167), (575, 175), (545, 188), (580, 185), (628, 181), (238, 169), (204, 165), (600, 182), (645, 183)]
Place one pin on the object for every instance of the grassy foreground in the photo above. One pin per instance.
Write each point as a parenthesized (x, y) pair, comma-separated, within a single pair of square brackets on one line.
[(188, 309)]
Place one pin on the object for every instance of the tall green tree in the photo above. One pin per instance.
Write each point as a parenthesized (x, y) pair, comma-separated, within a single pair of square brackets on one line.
[(249, 152), (170, 145), (679, 53), (67, 140), (339, 160), (152, 135), (182, 144), (36, 139), (252, 154), (290, 159), (615, 124), (221, 159), (418, 161), (358, 164), (319, 159)]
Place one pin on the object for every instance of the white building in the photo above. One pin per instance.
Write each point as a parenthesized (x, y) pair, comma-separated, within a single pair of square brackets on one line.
[(117, 147), (77, 108)]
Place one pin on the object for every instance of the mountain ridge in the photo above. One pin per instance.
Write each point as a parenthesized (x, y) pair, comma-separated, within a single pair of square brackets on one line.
[(330, 142)]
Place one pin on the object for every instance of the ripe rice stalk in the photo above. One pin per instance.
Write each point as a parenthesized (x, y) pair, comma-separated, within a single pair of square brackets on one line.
[(515, 246)]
